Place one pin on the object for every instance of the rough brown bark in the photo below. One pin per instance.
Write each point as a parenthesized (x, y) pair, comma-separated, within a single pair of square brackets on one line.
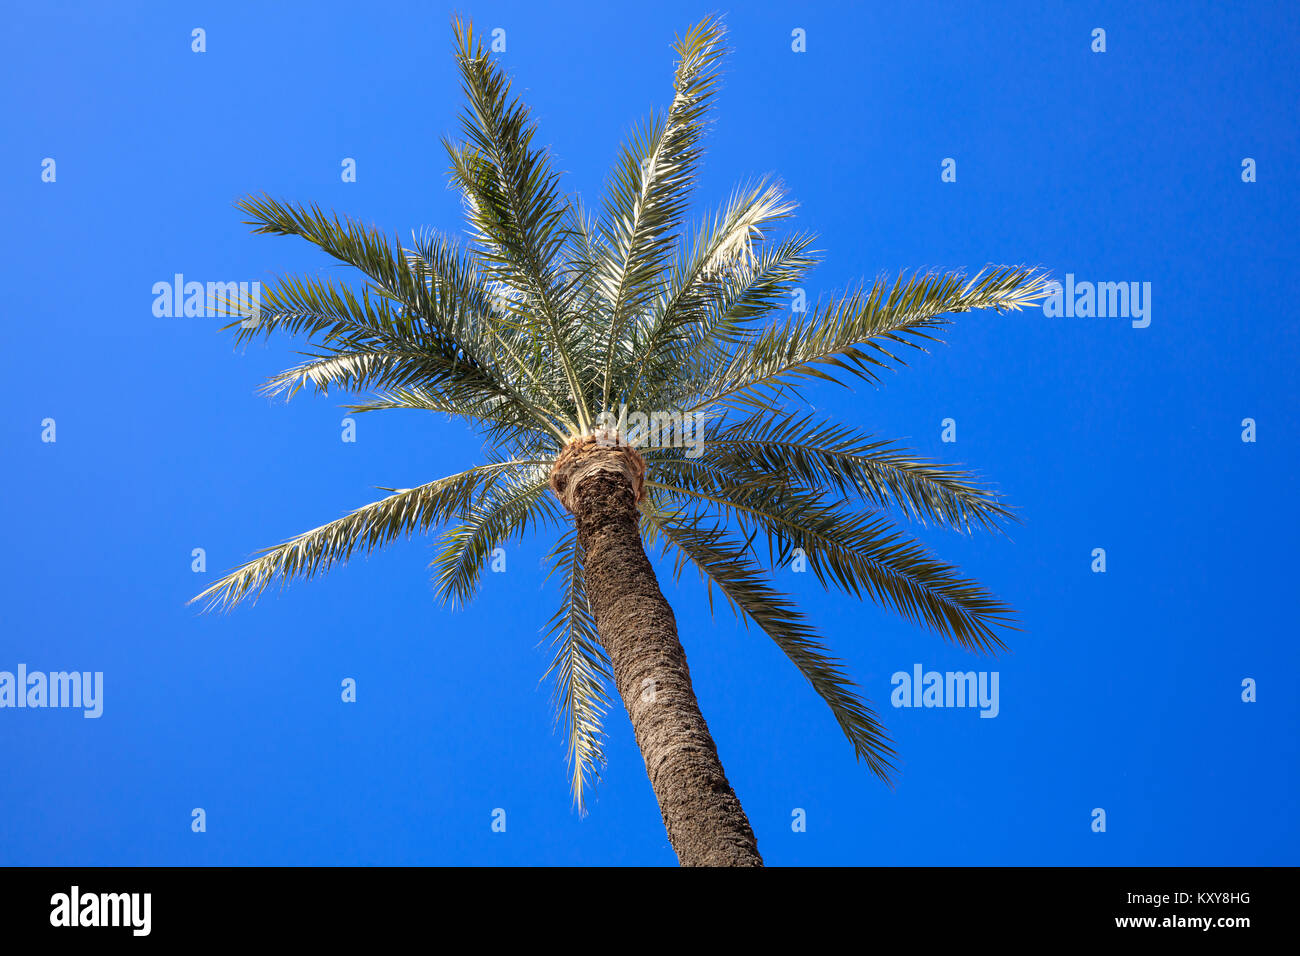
[(705, 822)]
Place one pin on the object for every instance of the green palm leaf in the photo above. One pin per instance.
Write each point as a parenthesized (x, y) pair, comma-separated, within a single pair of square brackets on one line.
[(742, 583), (368, 527), (581, 670), (819, 454)]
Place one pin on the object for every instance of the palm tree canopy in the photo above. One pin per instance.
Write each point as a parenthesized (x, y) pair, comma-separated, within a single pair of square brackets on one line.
[(546, 323)]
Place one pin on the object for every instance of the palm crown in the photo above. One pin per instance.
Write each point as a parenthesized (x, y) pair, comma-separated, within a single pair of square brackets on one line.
[(547, 324)]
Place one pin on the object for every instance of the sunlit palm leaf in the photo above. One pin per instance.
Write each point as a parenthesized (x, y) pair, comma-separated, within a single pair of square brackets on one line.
[(369, 527), (514, 200), (504, 512), (859, 335), (581, 670), (649, 190)]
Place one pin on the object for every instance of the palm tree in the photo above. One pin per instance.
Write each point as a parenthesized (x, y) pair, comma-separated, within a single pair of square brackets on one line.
[(543, 331)]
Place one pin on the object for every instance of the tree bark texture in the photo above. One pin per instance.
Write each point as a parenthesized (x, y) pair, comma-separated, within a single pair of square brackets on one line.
[(706, 824)]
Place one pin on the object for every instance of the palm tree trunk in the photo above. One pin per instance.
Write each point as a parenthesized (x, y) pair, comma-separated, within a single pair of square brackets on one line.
[(706, 824)]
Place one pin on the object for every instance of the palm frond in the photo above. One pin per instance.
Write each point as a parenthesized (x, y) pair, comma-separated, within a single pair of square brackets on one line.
[(857, 335), (581, 669), (342, 238), (356, 369), (367, 528), (860, 553), (651, 186), (321, 309), (428, 307), (820, 454), (514, 202), (697, 282), (722, 562), (483, 315), (505, 511)]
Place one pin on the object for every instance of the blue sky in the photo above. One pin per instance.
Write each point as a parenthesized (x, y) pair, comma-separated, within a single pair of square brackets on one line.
[(1124, 690)]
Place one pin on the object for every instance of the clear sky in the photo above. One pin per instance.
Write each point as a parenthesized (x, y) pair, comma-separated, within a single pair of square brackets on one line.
[(1124, 690)]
